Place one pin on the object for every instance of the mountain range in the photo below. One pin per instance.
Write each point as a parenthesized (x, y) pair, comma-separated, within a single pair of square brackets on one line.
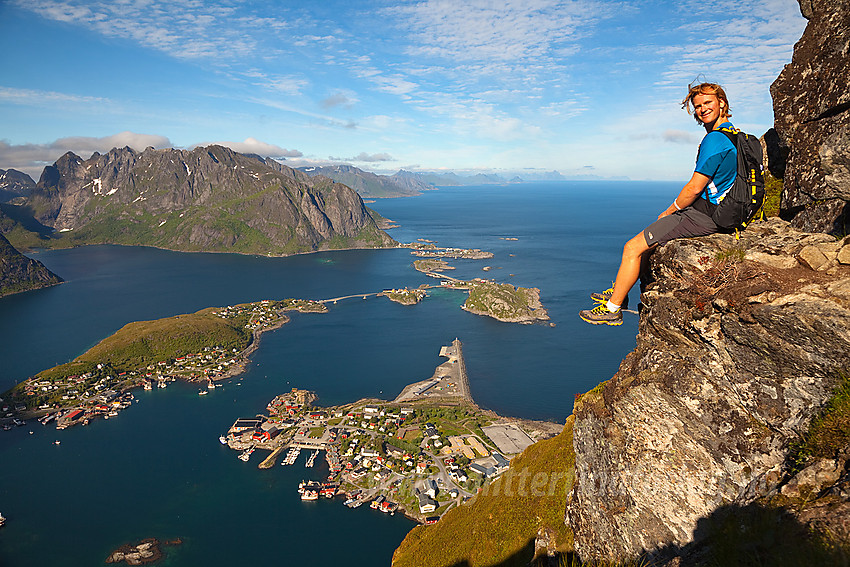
[(206, 199), (370, 185)]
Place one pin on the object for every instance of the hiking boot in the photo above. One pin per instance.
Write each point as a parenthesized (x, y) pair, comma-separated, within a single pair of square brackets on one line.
[(600, 315), (604, 296)]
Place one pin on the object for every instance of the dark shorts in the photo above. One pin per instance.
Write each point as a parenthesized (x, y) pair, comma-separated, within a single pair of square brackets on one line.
[(686, 223)]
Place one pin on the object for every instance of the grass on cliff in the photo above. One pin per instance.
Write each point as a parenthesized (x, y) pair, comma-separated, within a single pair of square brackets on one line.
[(142, 343), (499, 525), (829, 431)]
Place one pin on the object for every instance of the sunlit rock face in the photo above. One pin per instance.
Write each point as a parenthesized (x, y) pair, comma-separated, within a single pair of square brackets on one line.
[(811, 104), (740, 343)]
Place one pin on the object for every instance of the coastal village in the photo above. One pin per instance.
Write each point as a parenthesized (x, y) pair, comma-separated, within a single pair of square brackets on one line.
[(423, 453), (105, 390)]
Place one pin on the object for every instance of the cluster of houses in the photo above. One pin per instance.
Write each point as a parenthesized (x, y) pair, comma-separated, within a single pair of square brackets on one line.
[(431, 251), (213, 362), (370, 449), (260, 314), (91, 391)]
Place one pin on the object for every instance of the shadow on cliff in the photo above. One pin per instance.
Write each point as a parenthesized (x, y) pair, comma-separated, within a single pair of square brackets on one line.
[(753, 536)]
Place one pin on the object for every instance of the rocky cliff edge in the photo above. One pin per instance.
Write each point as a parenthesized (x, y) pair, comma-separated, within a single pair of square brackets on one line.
[(740, 344)]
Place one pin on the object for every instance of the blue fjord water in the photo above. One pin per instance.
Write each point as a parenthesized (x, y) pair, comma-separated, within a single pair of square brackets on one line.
[(158, 470)]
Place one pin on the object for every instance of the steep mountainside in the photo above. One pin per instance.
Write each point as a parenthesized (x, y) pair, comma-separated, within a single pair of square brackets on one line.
[(206, 199), (811, 104), (740, 344), (368, 184), (19, 273), (14, 183)]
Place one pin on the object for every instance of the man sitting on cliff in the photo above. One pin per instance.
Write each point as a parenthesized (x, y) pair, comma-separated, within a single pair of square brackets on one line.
[(689, 214)]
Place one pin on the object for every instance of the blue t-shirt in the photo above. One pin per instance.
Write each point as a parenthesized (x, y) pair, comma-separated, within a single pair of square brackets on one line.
[(717, 159)]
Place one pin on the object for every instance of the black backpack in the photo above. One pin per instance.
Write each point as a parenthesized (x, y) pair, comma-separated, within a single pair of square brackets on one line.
[(744, 199)]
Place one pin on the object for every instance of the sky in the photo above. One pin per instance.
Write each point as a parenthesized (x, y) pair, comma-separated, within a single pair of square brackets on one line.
[(584, 87)]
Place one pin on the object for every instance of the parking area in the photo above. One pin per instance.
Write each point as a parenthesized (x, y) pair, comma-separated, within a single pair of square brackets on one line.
[(509, 438)]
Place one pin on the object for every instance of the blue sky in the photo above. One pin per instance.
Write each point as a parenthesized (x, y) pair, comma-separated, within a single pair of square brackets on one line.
[(582, 87)]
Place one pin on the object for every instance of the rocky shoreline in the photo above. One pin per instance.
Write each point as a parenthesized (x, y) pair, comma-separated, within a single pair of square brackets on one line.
[(145, 552)]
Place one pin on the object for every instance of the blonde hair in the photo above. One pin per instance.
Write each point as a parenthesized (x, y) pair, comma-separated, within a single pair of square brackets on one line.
[(706, 88)]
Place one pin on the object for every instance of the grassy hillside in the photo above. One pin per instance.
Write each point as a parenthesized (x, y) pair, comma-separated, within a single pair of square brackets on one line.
[(498, 526), (142, 343)]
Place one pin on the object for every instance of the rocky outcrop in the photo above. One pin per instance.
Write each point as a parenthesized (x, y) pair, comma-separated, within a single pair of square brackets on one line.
[(143, 553), (206, 199), (811, 103), (740, 344), (19, 273)]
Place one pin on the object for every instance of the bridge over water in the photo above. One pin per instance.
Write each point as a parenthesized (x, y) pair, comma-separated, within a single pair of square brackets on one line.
[(375, 293)]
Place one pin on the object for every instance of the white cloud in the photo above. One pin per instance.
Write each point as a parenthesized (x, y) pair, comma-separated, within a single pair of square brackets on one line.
[(296, 109), (186, 30), (680, 137), (364, 157), (291, 85), (343, 99), (254, 146), (482, 31), (744, 51), (37, 97)]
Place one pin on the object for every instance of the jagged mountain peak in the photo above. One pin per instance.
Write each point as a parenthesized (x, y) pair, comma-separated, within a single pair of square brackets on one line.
[(205, 198)]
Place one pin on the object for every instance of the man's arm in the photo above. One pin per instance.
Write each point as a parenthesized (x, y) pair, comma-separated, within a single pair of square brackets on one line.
[(688, 194)]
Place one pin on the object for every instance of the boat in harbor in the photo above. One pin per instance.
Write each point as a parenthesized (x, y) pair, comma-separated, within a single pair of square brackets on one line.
[(309, 495), (246, 454), (2, 520), (291, 456), (203, 393), (311, 459), (222, 439)]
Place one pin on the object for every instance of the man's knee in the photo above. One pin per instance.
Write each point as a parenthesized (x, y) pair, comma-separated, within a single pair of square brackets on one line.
[(635, 247)]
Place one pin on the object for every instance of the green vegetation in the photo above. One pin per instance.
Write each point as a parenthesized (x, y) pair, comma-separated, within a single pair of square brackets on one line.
[(498, 526), (431, 265), (772, 194), (734, 254), (504, 301), (142, 343), (828, 433)]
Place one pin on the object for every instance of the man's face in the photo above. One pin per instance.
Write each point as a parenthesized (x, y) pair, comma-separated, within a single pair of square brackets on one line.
[(707, 108)]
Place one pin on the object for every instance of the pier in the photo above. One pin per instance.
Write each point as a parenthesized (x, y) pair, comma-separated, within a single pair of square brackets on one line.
[(269, 461), (449, 381)]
